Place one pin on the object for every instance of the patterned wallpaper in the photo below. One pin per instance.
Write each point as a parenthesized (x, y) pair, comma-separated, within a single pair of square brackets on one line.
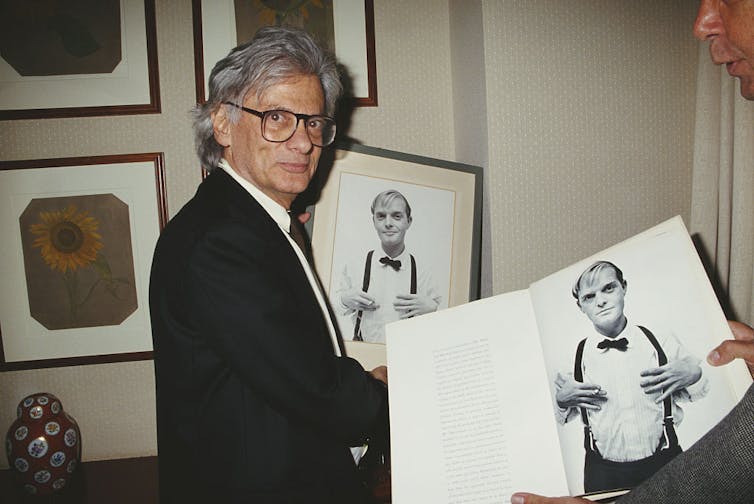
[(590, 116), (415, 112)]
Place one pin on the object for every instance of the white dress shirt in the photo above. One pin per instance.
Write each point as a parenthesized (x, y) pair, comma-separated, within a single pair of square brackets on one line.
[(385, 284), (629, 424)]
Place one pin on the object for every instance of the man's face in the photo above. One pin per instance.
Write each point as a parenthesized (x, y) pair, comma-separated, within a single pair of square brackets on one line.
[(391, 222), (601, 298), (729, 27), (280, 170)]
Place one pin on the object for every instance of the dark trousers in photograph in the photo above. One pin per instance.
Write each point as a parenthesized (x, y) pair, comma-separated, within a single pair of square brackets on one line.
[(601, 474)]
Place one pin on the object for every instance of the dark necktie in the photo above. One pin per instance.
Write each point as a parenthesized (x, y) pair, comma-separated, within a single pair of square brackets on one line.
[(396, 265), (298, 234), (620, 344)]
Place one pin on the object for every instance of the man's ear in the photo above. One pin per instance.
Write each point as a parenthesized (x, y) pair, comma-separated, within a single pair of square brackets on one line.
[(221, 126)]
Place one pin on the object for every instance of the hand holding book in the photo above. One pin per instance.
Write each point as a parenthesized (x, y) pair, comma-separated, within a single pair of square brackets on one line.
[(741, 347)]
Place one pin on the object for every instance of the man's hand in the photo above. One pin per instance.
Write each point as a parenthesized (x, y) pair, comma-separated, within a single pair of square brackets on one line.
[(573, 394), (527, 498), (742, 347), (357, 299), (673, 376), (411, 305), (379, 373)]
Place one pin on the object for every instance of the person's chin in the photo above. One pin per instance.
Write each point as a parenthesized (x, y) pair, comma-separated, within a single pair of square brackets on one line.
[(608, 326), (295, 183)]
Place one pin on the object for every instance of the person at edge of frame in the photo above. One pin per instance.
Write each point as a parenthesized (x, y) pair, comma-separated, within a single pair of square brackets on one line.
[(717, 468)]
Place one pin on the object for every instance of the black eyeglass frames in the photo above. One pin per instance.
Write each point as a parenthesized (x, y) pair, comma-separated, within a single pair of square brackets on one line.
[(280, 125)]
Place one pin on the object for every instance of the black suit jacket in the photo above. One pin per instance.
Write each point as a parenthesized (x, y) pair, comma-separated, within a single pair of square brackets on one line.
[(717, 468), (252, 403)]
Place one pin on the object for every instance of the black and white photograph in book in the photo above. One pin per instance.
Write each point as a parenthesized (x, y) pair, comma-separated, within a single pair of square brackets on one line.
[(624, 340), (392, 254)]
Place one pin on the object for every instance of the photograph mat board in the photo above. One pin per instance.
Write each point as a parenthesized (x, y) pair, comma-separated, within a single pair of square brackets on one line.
[(434, 177)]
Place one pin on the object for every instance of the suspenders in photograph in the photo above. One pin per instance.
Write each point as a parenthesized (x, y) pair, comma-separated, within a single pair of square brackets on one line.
[(365, 286), (669, 438)]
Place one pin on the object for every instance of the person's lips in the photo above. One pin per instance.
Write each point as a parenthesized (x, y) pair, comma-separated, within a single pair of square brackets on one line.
[(294, 166)]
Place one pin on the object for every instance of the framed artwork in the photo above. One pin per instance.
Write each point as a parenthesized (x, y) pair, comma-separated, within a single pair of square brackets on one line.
[(378, 208), (78, 240), (85, 58), (345, 27)]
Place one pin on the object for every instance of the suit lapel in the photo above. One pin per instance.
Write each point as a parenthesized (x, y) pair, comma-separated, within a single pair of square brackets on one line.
[(227, 192)]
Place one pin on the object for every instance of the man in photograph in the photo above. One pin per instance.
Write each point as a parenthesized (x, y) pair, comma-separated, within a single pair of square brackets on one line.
[(389, 284), (626, 385)]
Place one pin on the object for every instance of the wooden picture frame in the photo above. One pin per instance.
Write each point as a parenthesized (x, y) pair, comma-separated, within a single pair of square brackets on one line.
[(215, 36), (79, 236), (94, 89)]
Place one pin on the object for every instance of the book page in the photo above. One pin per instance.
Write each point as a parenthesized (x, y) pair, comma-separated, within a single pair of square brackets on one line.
[(666, 291), (470, 410)]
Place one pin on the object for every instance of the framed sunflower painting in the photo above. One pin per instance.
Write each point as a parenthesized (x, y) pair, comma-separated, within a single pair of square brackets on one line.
[(79, 235)]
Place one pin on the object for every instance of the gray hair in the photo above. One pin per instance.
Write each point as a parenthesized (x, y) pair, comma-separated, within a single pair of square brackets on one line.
[(273, 55)]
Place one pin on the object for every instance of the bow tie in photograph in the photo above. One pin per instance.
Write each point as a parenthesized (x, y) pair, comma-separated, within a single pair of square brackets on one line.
[(620, 344), (396, 265)]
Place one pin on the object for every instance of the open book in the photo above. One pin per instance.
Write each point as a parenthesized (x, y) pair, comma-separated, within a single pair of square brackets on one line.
[(474, 407)]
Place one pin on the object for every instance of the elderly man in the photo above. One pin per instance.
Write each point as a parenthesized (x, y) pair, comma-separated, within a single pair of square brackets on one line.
[(255, 402), (718, 467)]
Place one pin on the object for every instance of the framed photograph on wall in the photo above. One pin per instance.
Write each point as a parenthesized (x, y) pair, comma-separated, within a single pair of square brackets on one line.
[(345, 27), (87, 58), (78, 240), (395, 235)]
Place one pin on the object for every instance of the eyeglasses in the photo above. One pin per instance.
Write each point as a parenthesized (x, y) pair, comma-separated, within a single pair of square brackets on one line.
[(280, 125)]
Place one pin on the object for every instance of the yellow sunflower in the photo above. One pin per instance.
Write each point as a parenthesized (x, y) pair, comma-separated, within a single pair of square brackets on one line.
[(67, 239)]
